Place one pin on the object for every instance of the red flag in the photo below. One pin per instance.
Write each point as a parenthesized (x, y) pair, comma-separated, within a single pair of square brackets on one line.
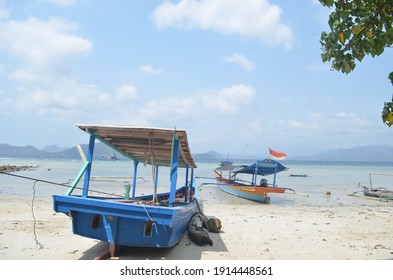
[(277, 155)]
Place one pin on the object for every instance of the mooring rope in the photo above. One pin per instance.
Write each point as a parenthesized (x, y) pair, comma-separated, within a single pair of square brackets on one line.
[(58, 184), (34, 195), (147, 213), (34, 220)]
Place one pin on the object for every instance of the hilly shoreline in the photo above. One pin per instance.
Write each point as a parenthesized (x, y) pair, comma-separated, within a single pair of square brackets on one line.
[(373, 153)]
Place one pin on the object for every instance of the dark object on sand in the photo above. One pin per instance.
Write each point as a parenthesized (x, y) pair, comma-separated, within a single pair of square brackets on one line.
[(197, 230), (213, 225)]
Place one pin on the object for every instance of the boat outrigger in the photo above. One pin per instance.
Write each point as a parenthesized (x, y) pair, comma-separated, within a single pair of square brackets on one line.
[(251, 190), (154, 220)]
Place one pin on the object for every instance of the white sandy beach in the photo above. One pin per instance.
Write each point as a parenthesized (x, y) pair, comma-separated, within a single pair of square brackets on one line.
[(250, 231)]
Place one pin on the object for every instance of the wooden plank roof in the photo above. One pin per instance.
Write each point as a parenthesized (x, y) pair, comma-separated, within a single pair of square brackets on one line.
[(144, 144)]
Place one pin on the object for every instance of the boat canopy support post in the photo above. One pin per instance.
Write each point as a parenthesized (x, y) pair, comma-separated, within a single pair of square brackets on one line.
[(155, 183), (191, 183), (275, 175), (88, 167), (187, 189), (174, 166), (77, 178), (254, 177), (135, 177)]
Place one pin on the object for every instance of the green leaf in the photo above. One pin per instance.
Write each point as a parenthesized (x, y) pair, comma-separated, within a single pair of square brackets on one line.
[(328, 3), (358, 28), (391, 78)]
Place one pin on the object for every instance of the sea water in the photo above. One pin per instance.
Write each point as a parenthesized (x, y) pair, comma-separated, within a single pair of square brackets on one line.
[(325, 183)]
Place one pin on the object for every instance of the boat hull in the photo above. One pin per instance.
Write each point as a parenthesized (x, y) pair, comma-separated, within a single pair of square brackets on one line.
[(247, 194), (255, 193), (127, 224), (378, 193)]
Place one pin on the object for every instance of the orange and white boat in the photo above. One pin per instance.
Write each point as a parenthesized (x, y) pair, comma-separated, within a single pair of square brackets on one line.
[(235, 185)]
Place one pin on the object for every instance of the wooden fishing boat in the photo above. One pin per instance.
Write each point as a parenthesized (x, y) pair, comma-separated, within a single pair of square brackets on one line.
[(382, 193), (235, 185), (154, 220), (377, 192)]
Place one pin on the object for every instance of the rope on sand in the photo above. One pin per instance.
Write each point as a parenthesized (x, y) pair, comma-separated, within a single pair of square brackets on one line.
[(33, 199), (34, 220)]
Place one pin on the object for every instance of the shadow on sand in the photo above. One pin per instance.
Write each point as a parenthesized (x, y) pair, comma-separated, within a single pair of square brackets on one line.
[(184, 250)]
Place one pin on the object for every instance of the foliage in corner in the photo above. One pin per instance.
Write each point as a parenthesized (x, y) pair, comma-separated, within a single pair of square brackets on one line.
[(358, 28)]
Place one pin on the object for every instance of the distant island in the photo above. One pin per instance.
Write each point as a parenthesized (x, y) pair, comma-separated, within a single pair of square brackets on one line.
[(102, 152), (356, 154)]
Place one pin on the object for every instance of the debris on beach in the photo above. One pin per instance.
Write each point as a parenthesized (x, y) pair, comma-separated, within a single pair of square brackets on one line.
[(14, 168), (199, 228), (214, 225)]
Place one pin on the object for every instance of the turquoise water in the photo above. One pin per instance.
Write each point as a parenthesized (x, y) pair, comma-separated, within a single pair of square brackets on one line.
[(338, 179)]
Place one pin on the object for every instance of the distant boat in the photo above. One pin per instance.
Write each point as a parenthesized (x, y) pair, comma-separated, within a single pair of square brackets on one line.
[(298, 175), (105, 157), (234, 185), (382, 193), (154, 220), (379, 192)]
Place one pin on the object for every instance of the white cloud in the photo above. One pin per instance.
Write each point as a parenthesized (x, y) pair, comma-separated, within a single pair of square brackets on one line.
[(173, 110), (343, 115), (241, 60), (60, 2), (3, 10), (126, 92), (150, 70), (41, 54), (284, 100), (296, 124), (170, 108), (256, 126), (322, 67), (246, 18), (340, 122), (43, 44), (66, 99), (228, 100)]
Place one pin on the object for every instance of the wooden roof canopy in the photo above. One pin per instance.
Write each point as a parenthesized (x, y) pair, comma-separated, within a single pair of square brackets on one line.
[(147, 145)]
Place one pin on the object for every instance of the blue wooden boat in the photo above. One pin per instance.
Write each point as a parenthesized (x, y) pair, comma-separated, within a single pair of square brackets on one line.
[(154, 220)]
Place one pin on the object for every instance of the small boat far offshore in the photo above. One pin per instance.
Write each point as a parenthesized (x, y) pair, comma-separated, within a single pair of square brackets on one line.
[(154, 220)]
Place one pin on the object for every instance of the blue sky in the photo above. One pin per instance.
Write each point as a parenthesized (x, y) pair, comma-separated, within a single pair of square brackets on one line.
[(237, 75)]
